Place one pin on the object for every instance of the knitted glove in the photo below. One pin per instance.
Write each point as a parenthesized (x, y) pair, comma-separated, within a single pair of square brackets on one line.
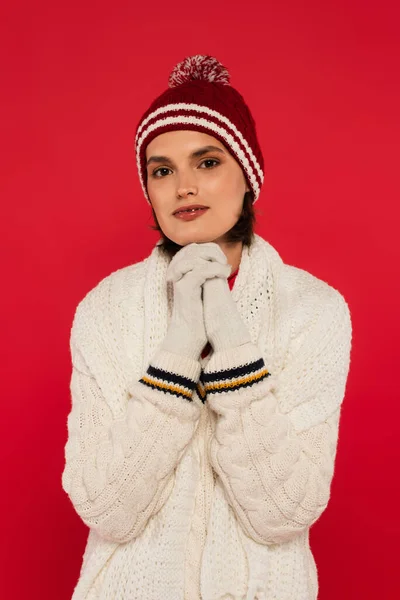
[(225, 328), (188, 270)]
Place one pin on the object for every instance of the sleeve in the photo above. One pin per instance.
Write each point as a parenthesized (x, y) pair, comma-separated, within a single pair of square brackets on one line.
[(275, 438), (119, 470)]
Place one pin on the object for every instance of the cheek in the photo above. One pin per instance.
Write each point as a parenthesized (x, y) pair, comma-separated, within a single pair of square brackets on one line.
[(231, 190), (156, 196), (230, 183), (161, 192)]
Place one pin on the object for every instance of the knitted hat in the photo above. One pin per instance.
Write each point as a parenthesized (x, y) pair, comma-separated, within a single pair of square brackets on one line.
[(199, 97)]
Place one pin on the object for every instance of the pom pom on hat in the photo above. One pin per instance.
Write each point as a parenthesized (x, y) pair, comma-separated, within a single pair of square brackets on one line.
[(200, 97), (199, 66)]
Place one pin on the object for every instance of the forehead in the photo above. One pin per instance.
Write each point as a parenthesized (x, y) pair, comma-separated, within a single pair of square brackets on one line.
[(182, 141)]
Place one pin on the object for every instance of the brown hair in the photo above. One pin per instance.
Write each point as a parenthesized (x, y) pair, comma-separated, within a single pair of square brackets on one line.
[(243, 230)]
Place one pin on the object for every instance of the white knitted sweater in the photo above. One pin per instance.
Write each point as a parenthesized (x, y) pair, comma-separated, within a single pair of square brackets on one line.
[(200, 480)]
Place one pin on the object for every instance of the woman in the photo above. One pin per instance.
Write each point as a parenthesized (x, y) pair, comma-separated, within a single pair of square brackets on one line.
[(207, 379)]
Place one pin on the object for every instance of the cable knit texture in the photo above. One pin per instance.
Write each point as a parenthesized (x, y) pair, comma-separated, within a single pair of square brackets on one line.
[(201, 479)]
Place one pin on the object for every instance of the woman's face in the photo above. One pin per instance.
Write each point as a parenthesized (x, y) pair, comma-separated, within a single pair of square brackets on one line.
[(182, 170)]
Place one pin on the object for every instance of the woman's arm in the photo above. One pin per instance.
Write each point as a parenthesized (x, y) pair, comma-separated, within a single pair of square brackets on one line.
[(125, 440), (119, 471), (275, 439)]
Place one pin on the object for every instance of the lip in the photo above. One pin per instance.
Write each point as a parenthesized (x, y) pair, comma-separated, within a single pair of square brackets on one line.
[(191, 215), (188, 207)]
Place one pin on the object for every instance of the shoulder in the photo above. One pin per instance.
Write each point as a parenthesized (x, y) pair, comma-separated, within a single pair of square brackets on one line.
[(303, 298), (109, 297), (309, 289), (318, 313)]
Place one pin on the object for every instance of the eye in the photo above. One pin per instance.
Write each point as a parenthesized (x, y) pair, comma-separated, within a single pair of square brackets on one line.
[(154, 173), (210, 160)]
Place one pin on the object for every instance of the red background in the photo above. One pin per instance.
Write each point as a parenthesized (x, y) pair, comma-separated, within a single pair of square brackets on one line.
[(321, 79)]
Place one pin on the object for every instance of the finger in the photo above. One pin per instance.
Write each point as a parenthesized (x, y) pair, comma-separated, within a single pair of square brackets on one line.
[(177, 270), (210, 270), (204, 271), (206, 250)]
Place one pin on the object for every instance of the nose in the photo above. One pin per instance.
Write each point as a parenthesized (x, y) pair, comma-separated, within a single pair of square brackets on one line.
[(185, 188), (182, 192)]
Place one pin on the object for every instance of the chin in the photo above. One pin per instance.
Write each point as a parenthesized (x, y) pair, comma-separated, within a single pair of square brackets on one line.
[(195, 238), (197, 235)]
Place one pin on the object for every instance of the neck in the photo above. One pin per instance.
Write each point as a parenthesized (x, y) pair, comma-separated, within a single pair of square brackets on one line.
[(232, 251)]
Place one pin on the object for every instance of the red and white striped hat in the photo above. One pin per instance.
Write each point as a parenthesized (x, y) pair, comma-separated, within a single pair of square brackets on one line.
[(200, 97)]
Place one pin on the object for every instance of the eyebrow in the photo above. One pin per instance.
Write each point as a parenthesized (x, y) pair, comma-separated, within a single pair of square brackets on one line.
[(196, 154)]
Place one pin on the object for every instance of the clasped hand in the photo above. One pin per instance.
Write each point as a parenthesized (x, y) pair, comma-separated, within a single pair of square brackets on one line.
[(203, 309)]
